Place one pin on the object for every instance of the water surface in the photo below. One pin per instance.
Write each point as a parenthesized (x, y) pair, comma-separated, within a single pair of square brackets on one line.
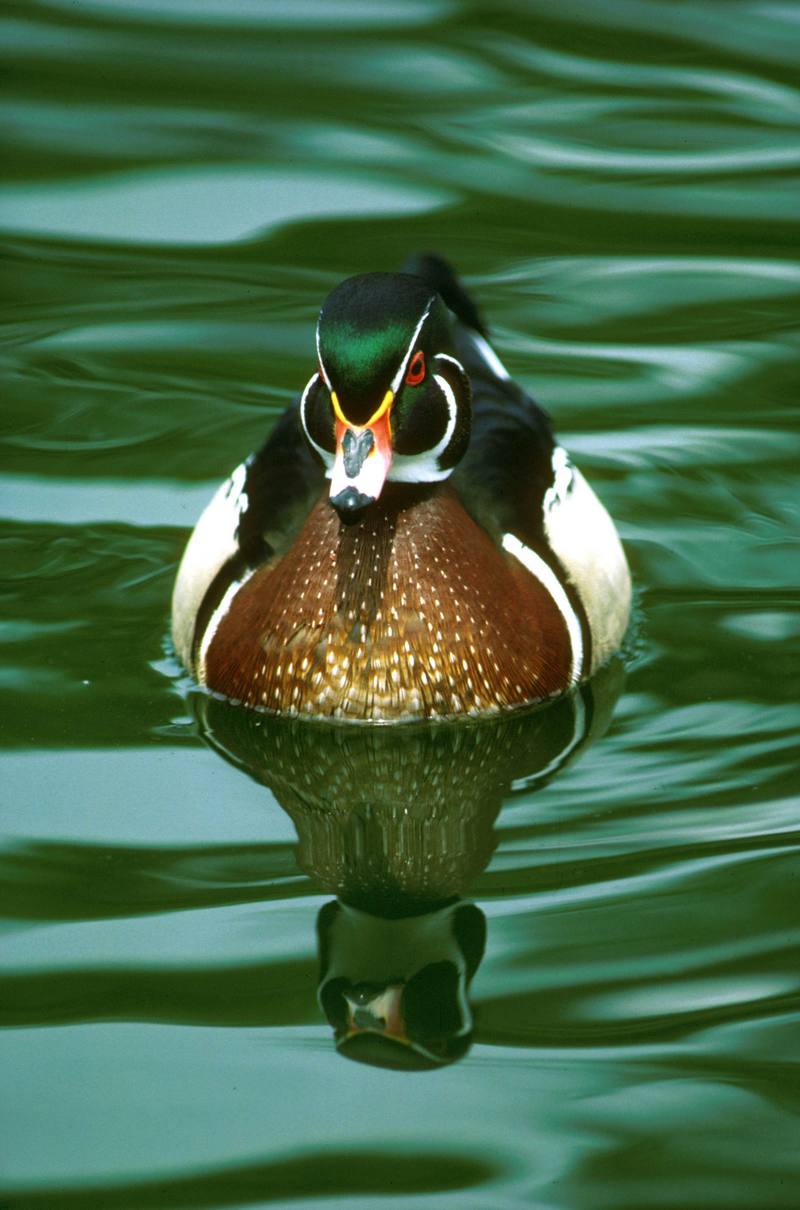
[(618, 185)]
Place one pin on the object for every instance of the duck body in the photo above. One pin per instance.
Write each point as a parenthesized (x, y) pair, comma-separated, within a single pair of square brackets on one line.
[(410, 542)]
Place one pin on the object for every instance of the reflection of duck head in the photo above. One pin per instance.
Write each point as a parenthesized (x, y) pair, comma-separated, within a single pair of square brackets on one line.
[(395, 991), (398, 823)]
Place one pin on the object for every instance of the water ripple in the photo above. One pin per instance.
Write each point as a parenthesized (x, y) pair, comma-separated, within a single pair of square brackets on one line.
[(617, 185)]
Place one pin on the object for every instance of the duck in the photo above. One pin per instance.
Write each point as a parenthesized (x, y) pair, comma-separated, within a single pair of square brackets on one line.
[(410, 542)]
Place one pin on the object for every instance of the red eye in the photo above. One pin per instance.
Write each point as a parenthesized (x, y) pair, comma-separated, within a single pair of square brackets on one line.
[(416, 369)]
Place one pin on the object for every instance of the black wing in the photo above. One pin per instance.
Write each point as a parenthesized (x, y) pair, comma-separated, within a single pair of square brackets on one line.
[(283, 481)]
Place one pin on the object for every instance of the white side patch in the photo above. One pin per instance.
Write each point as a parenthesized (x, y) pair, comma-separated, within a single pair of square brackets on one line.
[(548, 579), (488, 356), (213, 623), (582, 536), (563, 479), (453, 361), (212, 543)]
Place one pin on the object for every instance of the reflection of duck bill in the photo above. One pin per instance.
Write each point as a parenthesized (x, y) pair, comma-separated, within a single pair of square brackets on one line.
[(373, 1011), (395, 991), (375, 1030)]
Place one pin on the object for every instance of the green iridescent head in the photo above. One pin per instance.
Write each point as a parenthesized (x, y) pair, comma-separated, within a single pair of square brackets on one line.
[(390, 399)]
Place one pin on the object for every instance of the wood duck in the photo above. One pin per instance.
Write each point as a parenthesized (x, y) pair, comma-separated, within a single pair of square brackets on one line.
[(410, 542)]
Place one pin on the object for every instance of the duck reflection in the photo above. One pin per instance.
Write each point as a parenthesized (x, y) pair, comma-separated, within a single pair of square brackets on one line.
[(395, 990), (397, 822)]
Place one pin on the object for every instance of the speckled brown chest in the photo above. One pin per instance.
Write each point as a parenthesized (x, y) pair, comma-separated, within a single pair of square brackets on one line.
[(413, 612)]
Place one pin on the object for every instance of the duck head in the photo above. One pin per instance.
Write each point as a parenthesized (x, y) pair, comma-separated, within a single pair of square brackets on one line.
[(389, 401)]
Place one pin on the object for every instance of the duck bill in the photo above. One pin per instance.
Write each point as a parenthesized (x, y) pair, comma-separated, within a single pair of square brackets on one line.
[(362, 463), (383, 1014)]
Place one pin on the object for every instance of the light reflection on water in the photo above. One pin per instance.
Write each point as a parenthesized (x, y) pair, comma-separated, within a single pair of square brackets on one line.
[(618, 185)]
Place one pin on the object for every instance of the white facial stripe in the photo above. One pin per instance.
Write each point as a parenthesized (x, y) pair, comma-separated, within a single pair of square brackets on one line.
[(213, 624), (395, 386), (424, 467), (324, 454), (488, 356), (453, 361), (398, 378), (452, 416), (548, 579), (319, 359)]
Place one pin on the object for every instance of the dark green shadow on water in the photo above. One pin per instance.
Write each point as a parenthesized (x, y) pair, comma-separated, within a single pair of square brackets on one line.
[(313, 1175)]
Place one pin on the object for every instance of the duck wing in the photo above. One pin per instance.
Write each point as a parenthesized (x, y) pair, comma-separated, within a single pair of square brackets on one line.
[(283, 480)]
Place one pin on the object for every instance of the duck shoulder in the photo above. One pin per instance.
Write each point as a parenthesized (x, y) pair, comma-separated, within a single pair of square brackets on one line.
[(252, 519)]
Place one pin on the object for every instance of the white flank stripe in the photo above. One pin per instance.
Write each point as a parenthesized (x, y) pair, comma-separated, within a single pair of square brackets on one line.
[(213, 623), (547, 577)]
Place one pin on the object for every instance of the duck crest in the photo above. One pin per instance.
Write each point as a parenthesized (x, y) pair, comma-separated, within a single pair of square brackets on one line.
[(407, 614)]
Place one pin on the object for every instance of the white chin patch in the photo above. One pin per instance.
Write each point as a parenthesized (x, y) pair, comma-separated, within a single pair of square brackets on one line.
[(417, 468), (369, 481)]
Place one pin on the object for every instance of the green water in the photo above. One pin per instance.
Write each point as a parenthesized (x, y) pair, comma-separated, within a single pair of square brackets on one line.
[(183, 183)]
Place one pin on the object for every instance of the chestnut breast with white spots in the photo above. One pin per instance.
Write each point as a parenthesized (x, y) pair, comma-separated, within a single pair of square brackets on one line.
[(410, 613)]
